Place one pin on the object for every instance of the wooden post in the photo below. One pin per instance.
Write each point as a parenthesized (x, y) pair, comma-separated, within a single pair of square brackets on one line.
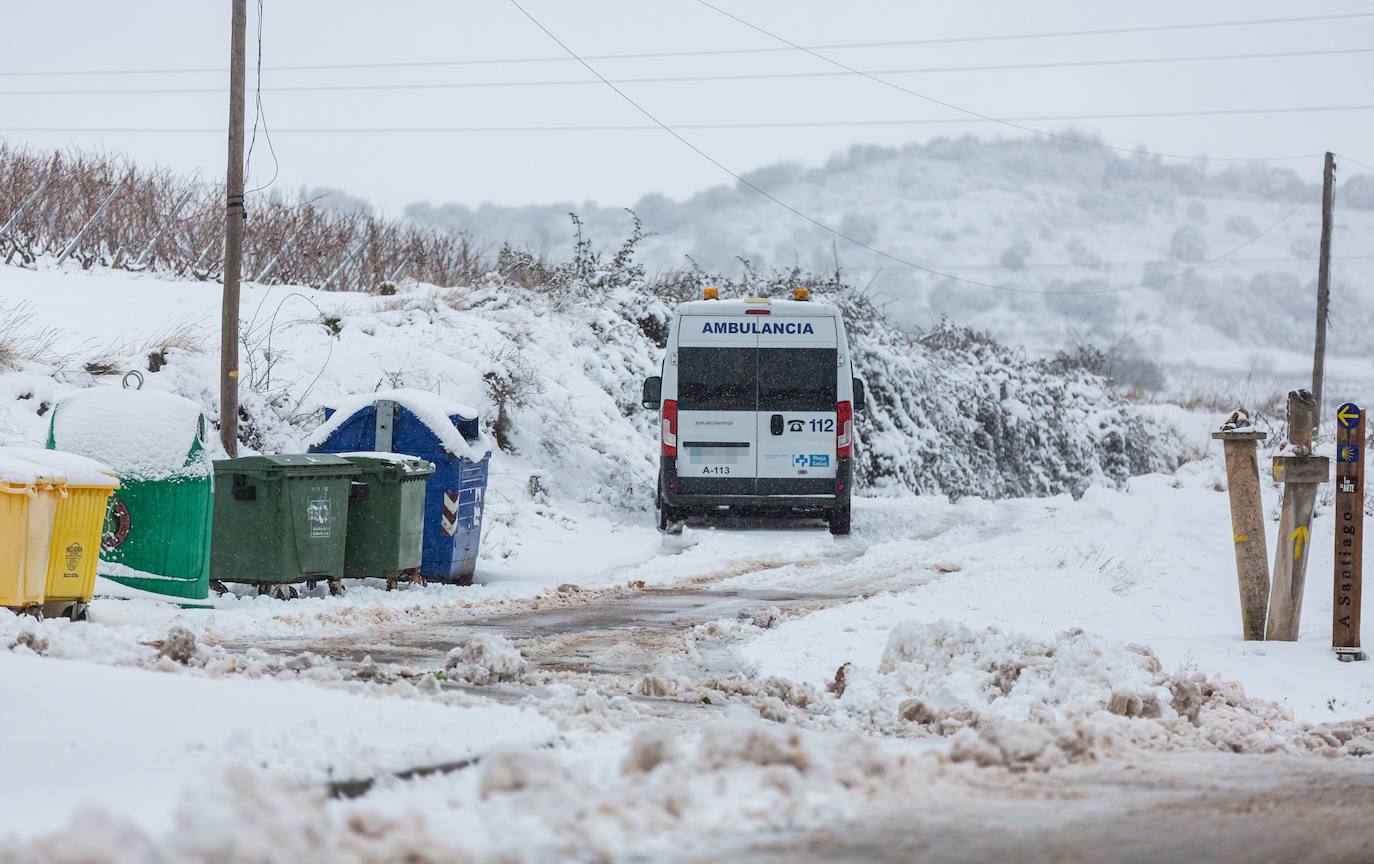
[(1299, 473), (1247, 526), (1345, 602), (1323, 282), (233, 238)]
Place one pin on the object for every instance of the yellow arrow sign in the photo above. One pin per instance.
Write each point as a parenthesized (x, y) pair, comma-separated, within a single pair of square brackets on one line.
[(1348, 415), (1298, 536)]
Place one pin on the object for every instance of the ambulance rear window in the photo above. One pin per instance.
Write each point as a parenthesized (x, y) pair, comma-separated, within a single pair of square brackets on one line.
[(717, 379), (797, 379)]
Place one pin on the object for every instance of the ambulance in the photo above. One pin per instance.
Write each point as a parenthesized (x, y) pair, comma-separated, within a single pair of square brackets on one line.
[(756, 405)]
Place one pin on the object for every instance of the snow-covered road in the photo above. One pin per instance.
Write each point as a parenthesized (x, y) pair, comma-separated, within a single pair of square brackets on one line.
[(765, 689)]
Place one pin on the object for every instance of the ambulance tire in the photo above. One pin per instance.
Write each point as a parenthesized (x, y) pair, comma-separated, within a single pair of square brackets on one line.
[(839, 520), (670, 519)]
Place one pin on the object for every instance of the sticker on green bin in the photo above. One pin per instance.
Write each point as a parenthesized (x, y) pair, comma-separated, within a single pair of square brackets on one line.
[(319, 514)]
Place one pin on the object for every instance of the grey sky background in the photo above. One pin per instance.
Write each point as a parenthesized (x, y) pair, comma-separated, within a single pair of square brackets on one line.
[(394, 169)]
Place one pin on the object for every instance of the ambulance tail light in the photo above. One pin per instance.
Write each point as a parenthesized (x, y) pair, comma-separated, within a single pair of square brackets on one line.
[(844, 429), (669, 425)]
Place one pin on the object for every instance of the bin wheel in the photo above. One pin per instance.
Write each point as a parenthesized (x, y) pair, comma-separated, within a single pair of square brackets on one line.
[(310, 584), (35, 611), (219, 587), (416, 579), (80, 612), (263, 589), (285, 592), (336, 587), (391, 583), (465, 579)]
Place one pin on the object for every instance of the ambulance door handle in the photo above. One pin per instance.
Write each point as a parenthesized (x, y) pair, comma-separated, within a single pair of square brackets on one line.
[(775, 424)]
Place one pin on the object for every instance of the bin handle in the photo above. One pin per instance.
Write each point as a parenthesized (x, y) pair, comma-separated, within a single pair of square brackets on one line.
[(133, 373), (14, 489)]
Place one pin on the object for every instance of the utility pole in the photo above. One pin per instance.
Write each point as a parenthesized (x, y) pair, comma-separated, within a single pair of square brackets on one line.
[(234, 217), (1323, 284)]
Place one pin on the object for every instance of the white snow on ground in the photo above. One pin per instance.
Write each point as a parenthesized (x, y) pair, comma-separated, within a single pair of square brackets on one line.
[(1026, 633), (135, 741), (1037, 568)]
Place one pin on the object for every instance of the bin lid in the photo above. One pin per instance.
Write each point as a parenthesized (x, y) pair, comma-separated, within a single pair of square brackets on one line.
[(393, 465), (453, 424), (80, 470), (142, 434), (21, 472), (288, 463)]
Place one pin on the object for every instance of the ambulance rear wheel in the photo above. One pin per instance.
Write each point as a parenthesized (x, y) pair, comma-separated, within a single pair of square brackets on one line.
[(670, 519), (839, 520)]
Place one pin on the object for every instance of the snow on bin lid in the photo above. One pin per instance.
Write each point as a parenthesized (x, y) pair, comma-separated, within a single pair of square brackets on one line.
[(432, 410), (80, 470), (407, 463), (22, 472), (144, 434)]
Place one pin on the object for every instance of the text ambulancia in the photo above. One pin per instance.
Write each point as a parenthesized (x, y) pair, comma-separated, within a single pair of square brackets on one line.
[(756, 402)]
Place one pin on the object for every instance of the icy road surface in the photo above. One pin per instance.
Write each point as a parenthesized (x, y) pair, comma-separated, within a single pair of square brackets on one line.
[(1029, 680)]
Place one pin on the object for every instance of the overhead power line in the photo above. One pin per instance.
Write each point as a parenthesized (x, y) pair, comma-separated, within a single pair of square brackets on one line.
[(677, 79), (906, 262), (780, 124), (1356, 162), (716, 52), (1004, 121)]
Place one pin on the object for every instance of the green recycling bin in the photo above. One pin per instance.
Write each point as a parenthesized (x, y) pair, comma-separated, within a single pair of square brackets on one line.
[(386, 516), (156, 535), (280, 519)]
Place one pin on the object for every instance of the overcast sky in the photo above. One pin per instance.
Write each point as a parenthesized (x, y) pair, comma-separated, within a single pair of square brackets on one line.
[(393, 169)]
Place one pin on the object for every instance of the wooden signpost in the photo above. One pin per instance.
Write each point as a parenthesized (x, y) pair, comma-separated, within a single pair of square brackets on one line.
[(1240, 441), (1299, 473), (1345, 602)]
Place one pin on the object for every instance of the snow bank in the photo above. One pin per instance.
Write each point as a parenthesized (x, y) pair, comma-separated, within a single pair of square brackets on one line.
[(486, 659), (142, 434)]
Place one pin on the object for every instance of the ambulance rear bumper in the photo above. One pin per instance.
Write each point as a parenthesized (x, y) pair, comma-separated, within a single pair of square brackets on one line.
[(749, 493)]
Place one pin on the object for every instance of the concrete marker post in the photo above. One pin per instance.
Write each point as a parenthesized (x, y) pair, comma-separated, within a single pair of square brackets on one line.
[(1345, 601), (1299, 473), (1247, 526)]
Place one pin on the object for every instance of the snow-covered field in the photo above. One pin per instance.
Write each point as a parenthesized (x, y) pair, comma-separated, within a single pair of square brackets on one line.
[(606, 692)]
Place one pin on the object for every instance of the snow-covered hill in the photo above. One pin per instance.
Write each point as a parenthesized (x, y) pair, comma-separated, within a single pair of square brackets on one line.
[(1226, 255)]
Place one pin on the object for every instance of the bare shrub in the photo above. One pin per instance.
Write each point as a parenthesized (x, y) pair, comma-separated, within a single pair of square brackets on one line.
[(21, 341)]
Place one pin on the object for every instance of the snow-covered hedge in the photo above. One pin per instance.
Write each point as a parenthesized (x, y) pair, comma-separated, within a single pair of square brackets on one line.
[(949, 411), (554, 369), (953, 412)]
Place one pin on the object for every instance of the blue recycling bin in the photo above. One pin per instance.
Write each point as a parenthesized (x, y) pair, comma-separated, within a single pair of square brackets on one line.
[(427, 426)]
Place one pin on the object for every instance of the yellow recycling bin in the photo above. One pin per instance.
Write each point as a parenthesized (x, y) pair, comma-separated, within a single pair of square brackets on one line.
[(28, 502), (77, 528)]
